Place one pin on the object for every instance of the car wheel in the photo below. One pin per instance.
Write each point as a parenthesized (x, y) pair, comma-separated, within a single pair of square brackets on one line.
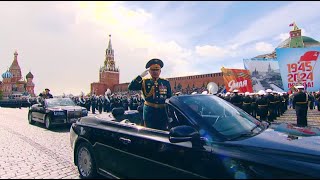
[(85, 161), (30, 120), (47, 122)]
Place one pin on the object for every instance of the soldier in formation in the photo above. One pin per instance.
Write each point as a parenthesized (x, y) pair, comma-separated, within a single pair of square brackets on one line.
[(268, 106), (300, 104)]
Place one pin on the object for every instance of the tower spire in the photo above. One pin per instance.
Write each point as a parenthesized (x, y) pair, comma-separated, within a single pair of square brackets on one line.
[(109, 45), (15, 55)]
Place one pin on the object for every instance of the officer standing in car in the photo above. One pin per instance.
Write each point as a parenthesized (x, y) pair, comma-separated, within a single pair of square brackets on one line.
[(300, 103), (155, 91), (46, 94)]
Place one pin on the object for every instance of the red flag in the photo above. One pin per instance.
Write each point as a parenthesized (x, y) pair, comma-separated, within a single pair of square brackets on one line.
[(292, 24), (310, 56)]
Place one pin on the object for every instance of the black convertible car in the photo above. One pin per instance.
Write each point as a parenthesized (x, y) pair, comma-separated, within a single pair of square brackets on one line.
[(207, 137), (56, 111)]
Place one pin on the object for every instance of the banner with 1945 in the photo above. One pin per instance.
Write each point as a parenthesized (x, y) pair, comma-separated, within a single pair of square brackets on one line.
[(298, 66)]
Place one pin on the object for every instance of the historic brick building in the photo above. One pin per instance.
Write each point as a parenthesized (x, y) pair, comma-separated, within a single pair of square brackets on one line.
[(12, 85), (109, 78), (108, 74)]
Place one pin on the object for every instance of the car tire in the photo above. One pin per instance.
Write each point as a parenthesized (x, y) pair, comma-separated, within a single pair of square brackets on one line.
[(30, 119), (47, 122), (85, 161)]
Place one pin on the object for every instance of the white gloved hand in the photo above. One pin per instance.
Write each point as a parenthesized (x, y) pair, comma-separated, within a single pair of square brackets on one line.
[(144, 73)]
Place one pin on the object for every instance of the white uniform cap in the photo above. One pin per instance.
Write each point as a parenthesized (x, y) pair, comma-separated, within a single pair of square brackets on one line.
[(261, 92), (204, 92), (194, 93), (228, 93), (300, 87), (268, 90), (246, 93), (236, 90)]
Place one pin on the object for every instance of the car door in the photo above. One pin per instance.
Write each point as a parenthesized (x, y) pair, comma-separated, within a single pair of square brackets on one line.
[(106, 140), (33, 111), (42, 112), (148, 153), (36, 111)]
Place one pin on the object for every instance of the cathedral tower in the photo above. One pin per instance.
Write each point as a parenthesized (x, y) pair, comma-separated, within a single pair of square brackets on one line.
[(15, 69), (30, 84)]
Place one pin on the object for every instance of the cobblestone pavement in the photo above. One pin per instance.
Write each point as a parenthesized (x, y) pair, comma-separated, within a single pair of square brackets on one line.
[(313, 117), (31, 151)]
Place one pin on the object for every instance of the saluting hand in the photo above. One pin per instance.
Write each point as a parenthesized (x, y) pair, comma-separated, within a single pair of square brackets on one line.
[(144, 73)]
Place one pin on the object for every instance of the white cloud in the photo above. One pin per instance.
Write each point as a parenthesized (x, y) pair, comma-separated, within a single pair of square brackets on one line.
[(211, 51), (234, 46), (264, 47), (282, 37), (304, 32)]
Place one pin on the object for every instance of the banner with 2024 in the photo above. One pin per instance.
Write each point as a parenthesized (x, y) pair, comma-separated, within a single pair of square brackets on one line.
[(298, 66)]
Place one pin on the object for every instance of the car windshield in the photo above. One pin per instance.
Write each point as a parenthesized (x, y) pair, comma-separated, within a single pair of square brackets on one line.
[(59, 102), (225, 118)]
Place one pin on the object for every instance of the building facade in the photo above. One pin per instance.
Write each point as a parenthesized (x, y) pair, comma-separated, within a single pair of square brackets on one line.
[(13, 84), (109, 79)]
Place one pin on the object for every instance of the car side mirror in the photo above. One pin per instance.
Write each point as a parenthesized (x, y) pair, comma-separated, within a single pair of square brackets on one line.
[(183, 134)]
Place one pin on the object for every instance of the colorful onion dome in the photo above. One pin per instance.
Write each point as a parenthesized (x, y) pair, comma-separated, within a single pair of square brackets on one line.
[(7, 74)]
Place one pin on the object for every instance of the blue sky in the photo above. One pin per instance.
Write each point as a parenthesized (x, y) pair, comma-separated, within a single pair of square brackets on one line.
[(63, 43)]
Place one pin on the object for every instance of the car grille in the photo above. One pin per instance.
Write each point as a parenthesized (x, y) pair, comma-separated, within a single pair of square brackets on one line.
[(73, 114)]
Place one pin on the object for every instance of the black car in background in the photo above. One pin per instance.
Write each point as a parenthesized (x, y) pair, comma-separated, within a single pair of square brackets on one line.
[(56, 111), (207, 137)]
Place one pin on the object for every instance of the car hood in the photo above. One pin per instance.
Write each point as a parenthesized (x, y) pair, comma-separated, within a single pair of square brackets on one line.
[(286, 137), (67, 108)]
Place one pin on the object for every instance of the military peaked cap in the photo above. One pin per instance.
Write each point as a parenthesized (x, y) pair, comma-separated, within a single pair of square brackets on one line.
[(154, 61)]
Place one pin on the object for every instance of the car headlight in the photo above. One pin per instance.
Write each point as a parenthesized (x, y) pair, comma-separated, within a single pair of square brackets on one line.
[(84, 112), (58, 113)]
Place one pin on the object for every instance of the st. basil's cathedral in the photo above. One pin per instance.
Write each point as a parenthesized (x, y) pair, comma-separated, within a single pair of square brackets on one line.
[(13, 85)]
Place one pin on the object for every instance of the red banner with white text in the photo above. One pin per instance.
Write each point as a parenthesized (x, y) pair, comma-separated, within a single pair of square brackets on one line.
[(239, 79)]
